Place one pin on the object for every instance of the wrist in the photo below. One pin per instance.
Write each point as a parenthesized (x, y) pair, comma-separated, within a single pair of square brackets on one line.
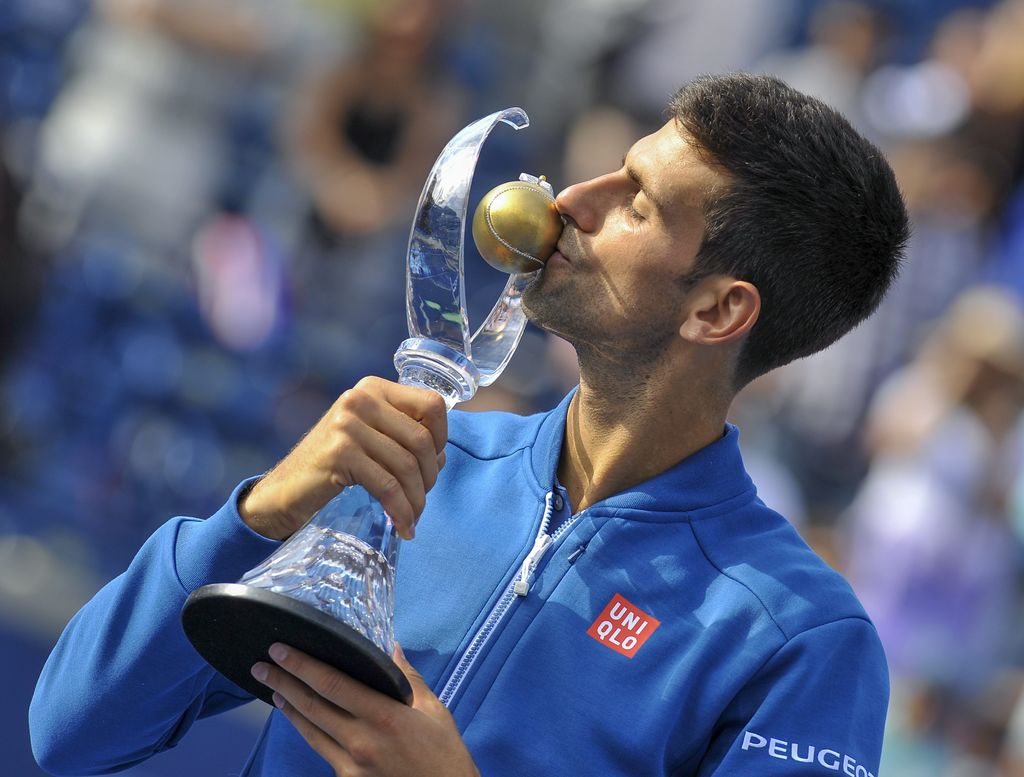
[(257, 513)]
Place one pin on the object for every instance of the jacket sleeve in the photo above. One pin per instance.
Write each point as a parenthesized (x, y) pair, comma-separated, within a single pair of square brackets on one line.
[(817, 706), (123, 682)]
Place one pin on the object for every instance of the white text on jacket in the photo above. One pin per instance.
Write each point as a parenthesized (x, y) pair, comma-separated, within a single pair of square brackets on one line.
[(831, 759)]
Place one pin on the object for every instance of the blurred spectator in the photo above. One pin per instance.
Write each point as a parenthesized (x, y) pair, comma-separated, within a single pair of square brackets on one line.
[(634, 54), (674, 40), (929, 98), (156, 88), (359, 137), (366, 132), (844, 45), (951, 192), (1012, 755), (932, 555), (19, 292), (996, 78)]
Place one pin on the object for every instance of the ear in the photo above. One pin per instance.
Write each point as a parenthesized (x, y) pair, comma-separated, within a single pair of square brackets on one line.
[(721, 311)]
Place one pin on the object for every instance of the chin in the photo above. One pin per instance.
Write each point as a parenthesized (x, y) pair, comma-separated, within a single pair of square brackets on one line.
[(555, 318)]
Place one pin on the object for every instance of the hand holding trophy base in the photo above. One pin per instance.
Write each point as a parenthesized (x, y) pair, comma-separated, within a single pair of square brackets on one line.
[(292, 596)]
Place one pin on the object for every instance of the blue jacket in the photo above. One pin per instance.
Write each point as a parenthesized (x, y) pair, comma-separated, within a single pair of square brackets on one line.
[(678, 628)]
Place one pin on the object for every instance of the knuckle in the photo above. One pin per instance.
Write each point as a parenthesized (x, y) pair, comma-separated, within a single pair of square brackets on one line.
[(304, 702), (354, 401), (434, 404), (369, 383), (407, 465), (343, 447), (422, 440), (362, 750), (341, 420), (345, 398), (389, 486), (386, 720), (332, 686), (435, 411)]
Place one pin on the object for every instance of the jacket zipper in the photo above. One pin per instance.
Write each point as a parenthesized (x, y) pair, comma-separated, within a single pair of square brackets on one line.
[(518, 588), (540, 546)]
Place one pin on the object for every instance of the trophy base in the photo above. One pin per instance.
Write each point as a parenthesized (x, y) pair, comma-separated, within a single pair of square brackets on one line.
[(233, 626)]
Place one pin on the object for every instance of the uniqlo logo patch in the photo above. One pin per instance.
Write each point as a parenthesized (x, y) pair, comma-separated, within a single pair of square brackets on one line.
[(623, 626)]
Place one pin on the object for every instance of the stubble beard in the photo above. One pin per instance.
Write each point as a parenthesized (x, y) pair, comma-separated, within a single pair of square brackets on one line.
[(555, 310), (561, 304), (572, 305), (570, 311)]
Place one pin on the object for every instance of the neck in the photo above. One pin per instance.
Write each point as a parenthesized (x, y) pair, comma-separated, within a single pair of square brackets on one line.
[(628, 423)]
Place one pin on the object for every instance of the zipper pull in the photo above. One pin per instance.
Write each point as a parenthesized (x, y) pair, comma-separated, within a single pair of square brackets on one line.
[(577, 553), (522, 586)]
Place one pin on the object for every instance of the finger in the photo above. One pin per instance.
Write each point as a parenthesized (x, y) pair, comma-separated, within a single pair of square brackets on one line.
[(388, 469), (410, 436), (333, 721), (419, 685), (373, 410), (333, 686), (422, 405), (320, 741), (423, 697), (387, 489)]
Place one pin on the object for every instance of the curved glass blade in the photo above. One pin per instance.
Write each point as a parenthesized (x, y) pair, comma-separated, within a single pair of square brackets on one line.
[(497, 338), (435, 298)]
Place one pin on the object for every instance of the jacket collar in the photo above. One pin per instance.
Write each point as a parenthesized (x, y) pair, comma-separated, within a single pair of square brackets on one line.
[(711, 476)]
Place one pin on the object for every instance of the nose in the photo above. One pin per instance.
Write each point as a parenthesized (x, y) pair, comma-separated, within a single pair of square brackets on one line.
[(582, 202)]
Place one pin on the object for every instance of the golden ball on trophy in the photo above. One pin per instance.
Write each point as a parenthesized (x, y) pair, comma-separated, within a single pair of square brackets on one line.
[(516, 225)]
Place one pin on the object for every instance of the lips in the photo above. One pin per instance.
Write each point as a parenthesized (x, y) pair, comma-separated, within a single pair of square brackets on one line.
[(558, 259), (561, 250)]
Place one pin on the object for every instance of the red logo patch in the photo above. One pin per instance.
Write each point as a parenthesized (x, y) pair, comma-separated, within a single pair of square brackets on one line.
[(623, 627)]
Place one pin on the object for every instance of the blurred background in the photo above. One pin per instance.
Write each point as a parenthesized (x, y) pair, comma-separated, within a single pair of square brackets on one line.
[(204, 206)]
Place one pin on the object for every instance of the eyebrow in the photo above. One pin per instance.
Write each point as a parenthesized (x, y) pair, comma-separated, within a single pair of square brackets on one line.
[(634, 176)]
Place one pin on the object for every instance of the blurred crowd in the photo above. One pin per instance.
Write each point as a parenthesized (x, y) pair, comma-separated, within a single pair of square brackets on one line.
[(204, 206)]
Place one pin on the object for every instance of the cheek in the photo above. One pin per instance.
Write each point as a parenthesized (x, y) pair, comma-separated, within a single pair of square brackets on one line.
[(651, 266), (653, 281), (639, 266), (646, 297)]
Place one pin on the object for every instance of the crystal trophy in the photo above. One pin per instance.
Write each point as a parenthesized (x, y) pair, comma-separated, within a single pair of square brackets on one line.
[(328, 590)]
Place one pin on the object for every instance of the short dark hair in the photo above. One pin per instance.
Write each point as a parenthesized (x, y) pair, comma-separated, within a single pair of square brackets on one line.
[(812, 215)]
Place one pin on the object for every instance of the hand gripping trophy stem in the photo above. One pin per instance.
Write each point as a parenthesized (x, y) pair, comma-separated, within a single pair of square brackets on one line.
[(328, 590)]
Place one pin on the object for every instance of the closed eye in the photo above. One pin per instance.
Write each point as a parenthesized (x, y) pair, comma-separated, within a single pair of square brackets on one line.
[(631, 207)]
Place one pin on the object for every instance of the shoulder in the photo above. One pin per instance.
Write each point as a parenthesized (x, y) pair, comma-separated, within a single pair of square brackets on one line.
[(762, 552), (492, 434)]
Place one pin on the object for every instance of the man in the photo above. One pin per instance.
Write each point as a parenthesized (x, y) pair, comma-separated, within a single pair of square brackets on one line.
[(594, 590)]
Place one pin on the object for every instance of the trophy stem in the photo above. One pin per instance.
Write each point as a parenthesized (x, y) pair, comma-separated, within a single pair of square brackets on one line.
[(427, 363)]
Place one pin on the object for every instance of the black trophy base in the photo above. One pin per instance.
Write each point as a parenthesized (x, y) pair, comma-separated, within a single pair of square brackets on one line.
[(233, 626)]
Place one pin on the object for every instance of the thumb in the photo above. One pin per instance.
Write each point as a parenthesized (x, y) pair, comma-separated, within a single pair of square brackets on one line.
[(414, 677), (419, 685)]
